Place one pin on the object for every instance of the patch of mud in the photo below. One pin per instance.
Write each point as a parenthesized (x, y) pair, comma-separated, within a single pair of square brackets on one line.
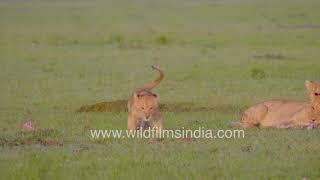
[(247, 148), (112, 106), (44, 137), (167, 141), (121, 105), (300, 26), (270, 56), (50, 142)]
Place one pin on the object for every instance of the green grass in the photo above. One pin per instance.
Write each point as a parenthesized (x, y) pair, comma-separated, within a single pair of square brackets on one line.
[(57, 56)]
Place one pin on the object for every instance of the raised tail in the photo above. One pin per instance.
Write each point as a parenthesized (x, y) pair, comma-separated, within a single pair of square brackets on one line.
[(155, 82)]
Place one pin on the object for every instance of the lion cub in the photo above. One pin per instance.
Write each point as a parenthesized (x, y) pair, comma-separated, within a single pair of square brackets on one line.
[(143, 106), (285, 113)]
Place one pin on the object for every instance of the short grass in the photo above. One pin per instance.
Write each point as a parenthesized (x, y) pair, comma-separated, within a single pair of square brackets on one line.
[(57, 56)]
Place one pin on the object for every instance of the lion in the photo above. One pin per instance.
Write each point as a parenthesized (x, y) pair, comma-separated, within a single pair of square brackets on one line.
[(144, 106), (285, 113)]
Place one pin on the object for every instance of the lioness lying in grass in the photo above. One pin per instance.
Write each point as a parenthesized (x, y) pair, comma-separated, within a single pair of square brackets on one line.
[(285, 113), (143, 106)]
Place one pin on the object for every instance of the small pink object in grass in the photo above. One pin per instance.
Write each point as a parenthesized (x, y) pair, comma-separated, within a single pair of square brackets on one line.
[(27, 125)]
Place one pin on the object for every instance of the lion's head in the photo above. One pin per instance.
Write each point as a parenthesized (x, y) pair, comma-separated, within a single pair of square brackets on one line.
[(314, 96), (314, 116), (146, 104)]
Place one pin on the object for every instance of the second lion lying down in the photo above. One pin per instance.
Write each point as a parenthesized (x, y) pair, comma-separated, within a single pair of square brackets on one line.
[(285, 113)]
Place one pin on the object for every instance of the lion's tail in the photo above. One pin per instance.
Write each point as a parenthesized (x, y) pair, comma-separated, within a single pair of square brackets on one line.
[(155, 82)]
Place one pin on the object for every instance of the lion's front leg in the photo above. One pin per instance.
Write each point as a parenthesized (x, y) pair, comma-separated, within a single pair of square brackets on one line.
[(132, 124)]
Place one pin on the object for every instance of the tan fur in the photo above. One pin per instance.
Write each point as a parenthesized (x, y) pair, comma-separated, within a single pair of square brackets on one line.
[(143, 106), (285, 113)]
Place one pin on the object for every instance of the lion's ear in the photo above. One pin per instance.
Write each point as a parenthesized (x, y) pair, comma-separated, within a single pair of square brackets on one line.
[(135, 96), (309, 85), (157, 97)]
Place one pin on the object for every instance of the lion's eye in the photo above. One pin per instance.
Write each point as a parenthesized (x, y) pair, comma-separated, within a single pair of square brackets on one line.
[(151, 107), (316, 94), (142, 107)]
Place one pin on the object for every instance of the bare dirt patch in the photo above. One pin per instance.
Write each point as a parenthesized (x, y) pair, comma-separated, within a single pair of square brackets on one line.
[(121, 105), (45, 137), (118, 105), (270, 56)]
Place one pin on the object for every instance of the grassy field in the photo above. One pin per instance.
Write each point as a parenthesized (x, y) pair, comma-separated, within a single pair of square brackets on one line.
[(219, 57)]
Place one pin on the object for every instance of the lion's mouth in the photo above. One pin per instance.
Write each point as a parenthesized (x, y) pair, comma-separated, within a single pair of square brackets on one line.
[(142, 124)]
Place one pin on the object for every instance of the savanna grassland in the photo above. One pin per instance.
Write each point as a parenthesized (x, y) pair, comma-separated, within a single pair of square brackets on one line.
[(219, 58)]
